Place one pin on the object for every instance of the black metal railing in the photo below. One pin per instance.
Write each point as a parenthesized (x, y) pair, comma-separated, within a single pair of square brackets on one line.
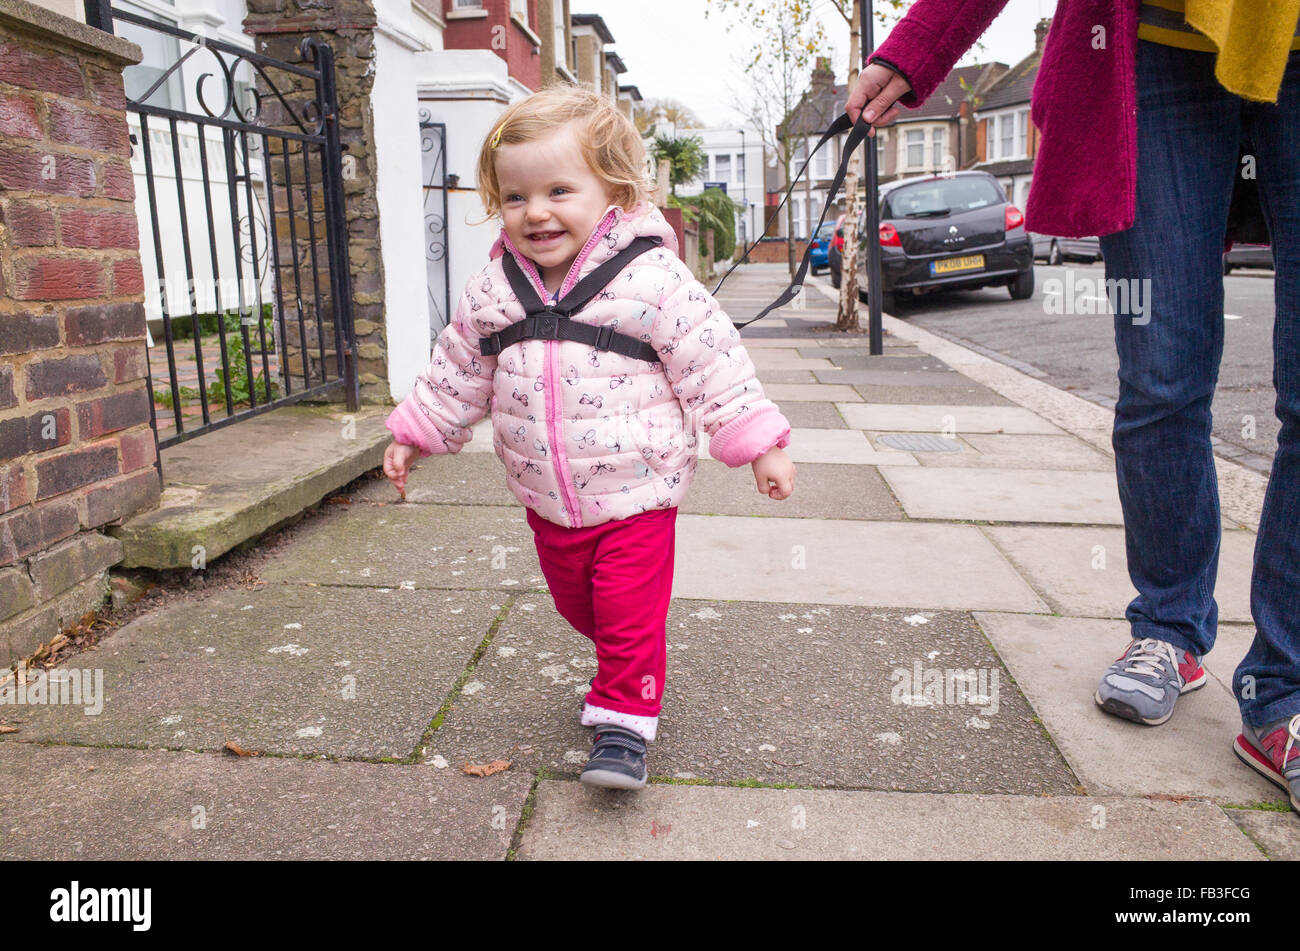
[(433, 153), (296, 320)]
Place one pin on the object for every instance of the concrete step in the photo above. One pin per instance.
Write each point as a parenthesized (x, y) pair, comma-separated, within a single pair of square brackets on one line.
[(233, 484)]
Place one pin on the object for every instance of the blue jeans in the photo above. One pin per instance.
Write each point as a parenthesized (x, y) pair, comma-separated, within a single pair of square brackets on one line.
[(1190, 132)]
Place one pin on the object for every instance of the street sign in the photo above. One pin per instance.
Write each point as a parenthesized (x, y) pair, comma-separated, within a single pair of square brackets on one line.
[(722, 185)]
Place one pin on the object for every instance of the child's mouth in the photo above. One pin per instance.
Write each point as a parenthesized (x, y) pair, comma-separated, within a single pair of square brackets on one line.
[(545, 237)]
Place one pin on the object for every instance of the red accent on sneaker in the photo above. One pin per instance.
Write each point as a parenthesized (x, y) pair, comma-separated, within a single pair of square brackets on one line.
[(1275, 746), (1189, 669)]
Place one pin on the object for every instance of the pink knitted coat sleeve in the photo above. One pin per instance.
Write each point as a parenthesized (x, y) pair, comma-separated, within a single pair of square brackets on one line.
[(713, 376), (451, 395)]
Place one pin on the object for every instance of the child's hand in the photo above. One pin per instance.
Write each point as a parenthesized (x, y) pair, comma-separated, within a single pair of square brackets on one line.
[(774, 467), (397, 464)]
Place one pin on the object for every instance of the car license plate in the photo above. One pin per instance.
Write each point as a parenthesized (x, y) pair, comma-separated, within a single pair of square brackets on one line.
[(971, 262)]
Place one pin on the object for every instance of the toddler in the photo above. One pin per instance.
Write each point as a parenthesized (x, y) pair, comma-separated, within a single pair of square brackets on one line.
[(594, 415)]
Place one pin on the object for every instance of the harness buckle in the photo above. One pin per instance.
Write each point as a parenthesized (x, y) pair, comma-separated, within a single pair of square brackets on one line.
[(546, 326), (604, 337)]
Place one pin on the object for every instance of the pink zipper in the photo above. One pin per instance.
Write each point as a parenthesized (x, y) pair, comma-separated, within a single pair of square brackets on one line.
[(551, 372)]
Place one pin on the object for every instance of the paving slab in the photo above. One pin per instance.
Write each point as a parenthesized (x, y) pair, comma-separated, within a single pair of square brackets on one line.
[(1057, 662), (571, 821), (820, 392), (942, 379), (853, 360), (825, 561), (458, 546), (954, 419), (461, 478), (972, 394), (805, 377), (1015, 451), (75, 803), (783, 358), (774, 693), (810, 415), (821, 491), (848, 446), (1083, 572), (1276, 833), (1006, 495), (290, 669)]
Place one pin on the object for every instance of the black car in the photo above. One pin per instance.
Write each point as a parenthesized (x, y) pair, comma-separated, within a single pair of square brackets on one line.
[(946, 232)]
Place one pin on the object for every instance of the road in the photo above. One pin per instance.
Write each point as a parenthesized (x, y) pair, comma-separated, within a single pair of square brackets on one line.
[(1076, 352)]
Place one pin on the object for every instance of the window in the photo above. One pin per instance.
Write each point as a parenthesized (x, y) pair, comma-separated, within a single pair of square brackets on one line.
[(880, 150), (740, 167), (937, 138), (798, 217), (160, 52), (1022, 131), (467, 4), (915, 148), (800, 156), (721, 168), (822, 162), (1006, 133)]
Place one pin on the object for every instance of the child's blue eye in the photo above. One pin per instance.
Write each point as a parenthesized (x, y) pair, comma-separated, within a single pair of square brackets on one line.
[(560, 190)]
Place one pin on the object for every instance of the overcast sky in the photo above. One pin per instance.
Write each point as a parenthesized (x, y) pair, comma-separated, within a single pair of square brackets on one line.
[(672, 52)]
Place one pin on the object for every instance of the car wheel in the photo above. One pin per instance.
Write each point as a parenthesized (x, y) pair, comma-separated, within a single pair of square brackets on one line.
[(889, 303), (1022, 288), (1054, 254)]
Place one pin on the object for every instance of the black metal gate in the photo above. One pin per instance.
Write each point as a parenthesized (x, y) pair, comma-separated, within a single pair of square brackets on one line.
[(433, 154), (210, 264)]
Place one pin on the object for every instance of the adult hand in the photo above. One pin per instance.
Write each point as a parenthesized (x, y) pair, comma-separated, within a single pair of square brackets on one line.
[(878, 88)]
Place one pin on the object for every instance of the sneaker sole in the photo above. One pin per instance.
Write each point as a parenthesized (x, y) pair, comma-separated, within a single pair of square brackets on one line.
[(608, 779), (1121, 709), (1261, 764)]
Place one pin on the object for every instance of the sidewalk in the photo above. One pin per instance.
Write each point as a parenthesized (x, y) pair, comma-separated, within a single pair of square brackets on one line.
[(806, 713)]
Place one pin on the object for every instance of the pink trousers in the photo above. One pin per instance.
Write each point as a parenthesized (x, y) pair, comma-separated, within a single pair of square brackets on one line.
[(612, 582)]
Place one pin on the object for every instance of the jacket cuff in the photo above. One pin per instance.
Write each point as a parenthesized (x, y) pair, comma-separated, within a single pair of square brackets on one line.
[(410, 427), (750, 435)]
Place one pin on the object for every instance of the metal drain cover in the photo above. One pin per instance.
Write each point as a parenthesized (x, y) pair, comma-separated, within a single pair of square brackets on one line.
[(919, 442)]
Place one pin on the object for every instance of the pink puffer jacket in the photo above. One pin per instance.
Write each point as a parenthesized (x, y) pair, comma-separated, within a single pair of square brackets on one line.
[(589, 436)]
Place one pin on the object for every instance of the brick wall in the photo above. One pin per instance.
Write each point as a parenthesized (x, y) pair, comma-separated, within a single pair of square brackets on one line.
[(499, 32), (76, 446), (773, 251)]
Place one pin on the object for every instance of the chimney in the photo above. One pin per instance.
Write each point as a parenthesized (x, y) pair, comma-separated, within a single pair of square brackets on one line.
[(823, 78), (1040, 34)]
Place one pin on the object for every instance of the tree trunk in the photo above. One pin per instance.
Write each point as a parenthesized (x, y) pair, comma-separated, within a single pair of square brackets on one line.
[(847, 317)]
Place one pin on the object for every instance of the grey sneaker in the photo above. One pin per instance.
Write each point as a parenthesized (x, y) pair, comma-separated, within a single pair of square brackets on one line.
[(1146, 680), (617, 759), (1273, 751)]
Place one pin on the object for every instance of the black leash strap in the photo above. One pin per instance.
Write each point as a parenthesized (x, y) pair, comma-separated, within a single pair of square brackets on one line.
[(545, 321), (857, 135)]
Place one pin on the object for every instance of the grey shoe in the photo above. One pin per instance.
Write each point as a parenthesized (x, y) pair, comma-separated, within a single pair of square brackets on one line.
[(1147, 679), (617, 759), (1273, 751)]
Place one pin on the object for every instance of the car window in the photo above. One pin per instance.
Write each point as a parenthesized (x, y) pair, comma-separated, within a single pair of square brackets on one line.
[(936, 198)]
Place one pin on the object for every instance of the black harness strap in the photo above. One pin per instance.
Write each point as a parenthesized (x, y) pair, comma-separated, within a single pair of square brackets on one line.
[(856, 137), (546, 321)]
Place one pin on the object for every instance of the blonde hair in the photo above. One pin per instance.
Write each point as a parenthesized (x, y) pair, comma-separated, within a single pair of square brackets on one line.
[(609, 142)]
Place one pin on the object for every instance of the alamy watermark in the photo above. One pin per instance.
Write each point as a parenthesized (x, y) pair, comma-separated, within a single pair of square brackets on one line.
[(77, 687), (1081, 294), (941, 686)]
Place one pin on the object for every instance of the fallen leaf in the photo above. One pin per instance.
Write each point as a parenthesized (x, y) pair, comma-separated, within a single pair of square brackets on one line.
[(8, 729), (487, 769), (231, 747), (402, 492), (1168, 797)]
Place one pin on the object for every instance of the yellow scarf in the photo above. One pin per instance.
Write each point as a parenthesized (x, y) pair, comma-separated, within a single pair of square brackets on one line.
[(1253, 38)]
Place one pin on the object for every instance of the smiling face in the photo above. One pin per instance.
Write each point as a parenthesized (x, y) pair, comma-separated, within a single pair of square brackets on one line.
[(551, 200)]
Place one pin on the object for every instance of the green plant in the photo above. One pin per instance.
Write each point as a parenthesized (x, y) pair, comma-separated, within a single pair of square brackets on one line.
[(713, 211), (238, 382), (685, 155)]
